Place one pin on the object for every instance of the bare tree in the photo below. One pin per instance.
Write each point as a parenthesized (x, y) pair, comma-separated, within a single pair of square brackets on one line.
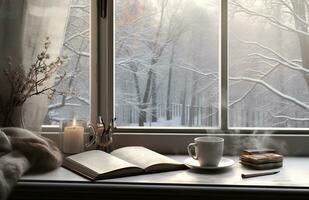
[(293, 20), (76, 47), (169, 85), (151, 52), (156, 45)]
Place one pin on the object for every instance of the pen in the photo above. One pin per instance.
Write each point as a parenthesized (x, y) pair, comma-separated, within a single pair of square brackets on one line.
[(258, 174)]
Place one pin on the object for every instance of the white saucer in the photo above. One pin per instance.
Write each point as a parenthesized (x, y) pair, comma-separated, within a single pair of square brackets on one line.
[(224, 163)]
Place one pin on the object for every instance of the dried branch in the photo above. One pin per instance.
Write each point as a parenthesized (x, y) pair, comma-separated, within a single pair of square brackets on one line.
[(34, 82)]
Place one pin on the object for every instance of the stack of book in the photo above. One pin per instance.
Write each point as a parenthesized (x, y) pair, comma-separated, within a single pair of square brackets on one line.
[(261, 159)]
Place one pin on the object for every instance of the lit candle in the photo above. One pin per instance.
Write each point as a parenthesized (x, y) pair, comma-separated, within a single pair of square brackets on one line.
[(73, 139)]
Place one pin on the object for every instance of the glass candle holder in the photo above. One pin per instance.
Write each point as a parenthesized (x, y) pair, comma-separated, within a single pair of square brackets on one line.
[(73, 136)]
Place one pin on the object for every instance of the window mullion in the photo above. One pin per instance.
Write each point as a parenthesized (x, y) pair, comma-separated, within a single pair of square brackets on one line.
[(105, 77), (224, 66), (94, 63)]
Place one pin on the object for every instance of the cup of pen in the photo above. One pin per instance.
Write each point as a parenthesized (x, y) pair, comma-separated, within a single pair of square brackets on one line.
[(101, 135)]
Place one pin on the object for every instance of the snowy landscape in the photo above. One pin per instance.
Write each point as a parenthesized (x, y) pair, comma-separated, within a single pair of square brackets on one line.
[(167, 61), (77, 48)]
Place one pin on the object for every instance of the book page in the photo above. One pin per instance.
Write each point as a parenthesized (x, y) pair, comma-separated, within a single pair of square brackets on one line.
[(145, 158), (96, 163)]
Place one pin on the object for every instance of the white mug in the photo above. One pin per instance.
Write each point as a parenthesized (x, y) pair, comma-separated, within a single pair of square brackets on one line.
[(207, 150)]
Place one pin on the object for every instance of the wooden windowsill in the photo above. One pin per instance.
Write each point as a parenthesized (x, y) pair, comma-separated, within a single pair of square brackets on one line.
[(291, 183)]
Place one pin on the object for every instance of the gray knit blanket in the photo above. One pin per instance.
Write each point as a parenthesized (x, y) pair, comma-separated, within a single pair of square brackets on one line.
[(22, 151)]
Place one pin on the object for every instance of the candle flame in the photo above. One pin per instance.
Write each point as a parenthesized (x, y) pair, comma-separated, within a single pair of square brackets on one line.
[(74, 121)]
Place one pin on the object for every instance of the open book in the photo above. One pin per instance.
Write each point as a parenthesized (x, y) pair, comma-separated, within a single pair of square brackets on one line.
[(125, 161)]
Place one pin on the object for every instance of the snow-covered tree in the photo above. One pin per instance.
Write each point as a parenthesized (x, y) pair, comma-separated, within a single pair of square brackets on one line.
[(76, 47), (269, 63)]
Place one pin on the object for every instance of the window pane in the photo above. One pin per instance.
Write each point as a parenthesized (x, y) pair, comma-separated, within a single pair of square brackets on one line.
[(76, 47), (268, 63), (166, 63)]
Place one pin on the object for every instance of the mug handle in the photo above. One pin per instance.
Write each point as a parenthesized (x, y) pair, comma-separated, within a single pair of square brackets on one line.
[(191, 150), (92, 136)]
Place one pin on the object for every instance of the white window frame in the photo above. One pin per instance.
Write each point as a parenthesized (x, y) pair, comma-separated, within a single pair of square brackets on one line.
[(107, 33), (168, 140), (175, 140)]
